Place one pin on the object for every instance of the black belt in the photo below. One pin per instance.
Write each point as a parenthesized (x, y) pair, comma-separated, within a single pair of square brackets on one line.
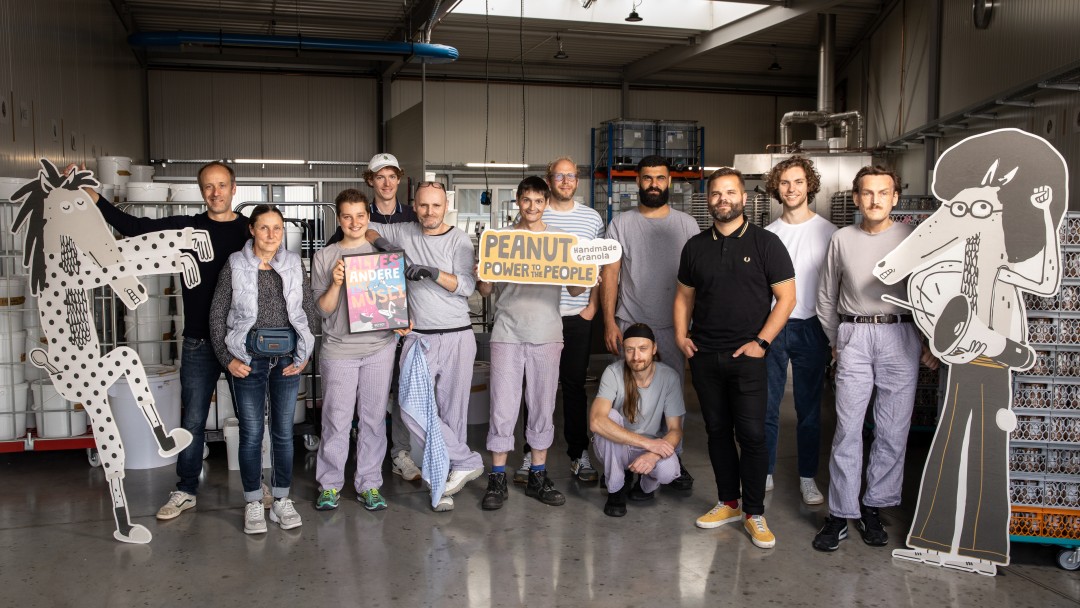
[(442, 331), (877, 319)]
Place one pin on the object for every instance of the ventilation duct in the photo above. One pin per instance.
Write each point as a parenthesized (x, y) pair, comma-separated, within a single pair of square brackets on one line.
[(429, 53)]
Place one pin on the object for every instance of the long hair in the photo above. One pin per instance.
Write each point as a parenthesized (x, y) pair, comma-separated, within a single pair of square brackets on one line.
[(630, 401)]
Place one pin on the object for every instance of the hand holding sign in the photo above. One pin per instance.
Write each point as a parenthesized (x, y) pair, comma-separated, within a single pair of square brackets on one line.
[(544, 258)]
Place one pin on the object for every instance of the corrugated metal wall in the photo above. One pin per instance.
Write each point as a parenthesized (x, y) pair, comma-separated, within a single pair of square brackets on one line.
[(70, 86)]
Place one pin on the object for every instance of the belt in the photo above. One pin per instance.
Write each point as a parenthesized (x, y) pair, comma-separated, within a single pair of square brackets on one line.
[(877, 319), (429, 332)]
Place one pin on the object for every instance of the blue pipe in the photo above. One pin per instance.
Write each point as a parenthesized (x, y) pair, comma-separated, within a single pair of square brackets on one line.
[(431, 53)]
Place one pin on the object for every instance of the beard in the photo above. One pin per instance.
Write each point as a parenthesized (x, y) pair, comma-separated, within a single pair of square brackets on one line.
[(736, 211), (653, 197)]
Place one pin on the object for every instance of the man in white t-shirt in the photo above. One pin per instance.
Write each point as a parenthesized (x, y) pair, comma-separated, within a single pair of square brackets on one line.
[(637, 395), (794, 182)]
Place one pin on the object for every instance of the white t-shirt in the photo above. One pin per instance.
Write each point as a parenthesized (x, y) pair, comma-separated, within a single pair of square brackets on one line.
[(807, 243)]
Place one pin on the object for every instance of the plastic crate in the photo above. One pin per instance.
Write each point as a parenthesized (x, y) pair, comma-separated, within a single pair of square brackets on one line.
[(1044, 522), (1032, 427), (1028, 492), (1033, 302), (1061, 460), (1044, 364), (1068, 331), (1043, 330), (1066, 397), (1033, 395), (927, 376), (1068, 298), (1062, 494), (1024, 459), (926, 397), (1070, 231), (1071, 265), (1064, 429), (678, 143)]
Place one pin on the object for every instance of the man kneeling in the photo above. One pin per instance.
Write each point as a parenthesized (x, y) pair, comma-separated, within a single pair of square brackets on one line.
[(639, 398)]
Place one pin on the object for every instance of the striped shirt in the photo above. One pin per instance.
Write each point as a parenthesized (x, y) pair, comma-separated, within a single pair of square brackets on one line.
[(584, 222)]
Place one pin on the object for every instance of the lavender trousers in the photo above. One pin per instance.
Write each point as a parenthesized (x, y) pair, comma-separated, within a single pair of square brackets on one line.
[(450, 358), (361, 386), (511, 363), (617, 456)]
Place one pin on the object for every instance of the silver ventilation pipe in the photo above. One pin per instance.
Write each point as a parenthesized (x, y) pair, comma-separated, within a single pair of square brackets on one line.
[(826, 67)]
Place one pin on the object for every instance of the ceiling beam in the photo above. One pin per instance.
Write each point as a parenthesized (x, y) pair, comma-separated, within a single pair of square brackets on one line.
[(727, 34)]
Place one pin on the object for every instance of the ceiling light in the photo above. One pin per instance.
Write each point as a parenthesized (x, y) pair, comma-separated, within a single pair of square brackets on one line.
[(634, 17), (561, 54), (775, 67)]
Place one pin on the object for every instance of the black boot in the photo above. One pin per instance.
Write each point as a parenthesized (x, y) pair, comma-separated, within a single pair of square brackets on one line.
[(541, 488), (496, 493), (684, 481), (637, 494), (616, 503)]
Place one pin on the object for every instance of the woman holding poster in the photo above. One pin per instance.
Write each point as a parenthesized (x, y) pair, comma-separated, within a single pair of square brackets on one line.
[(262, 320), (526, 341), (356, 368)]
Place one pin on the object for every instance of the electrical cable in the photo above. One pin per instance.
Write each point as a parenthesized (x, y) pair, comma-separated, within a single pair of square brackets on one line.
[(521, 61), (487, 97)]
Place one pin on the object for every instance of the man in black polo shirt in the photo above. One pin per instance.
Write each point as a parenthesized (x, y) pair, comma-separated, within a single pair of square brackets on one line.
[(728, 276)]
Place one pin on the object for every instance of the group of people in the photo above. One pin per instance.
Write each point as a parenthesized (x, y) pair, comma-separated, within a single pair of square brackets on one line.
[(735, 301)]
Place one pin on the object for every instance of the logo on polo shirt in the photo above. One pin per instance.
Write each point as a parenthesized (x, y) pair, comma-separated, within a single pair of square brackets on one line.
[(746, 259)]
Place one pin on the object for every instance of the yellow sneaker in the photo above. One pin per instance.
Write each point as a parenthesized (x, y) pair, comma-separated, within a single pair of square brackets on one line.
[(759, 531), (719, 515)]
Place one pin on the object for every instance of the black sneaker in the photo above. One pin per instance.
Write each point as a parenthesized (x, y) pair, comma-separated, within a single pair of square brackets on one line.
[(541, 488), (616, 503), (871, 529), (684, 481), (829, 536), (636, 493), (496, 493)]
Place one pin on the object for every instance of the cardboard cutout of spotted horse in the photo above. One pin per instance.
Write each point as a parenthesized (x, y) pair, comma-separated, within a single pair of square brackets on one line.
[(69, 249), (1004, 194)]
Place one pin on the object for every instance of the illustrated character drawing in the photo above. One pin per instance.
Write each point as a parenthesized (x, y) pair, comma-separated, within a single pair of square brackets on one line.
[(69, 249), (1004, 194)]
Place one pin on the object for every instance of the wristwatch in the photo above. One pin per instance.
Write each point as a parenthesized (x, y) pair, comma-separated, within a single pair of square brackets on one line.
[(764, 344)]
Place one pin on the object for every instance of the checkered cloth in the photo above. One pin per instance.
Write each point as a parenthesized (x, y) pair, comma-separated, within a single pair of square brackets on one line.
[(417, 400)]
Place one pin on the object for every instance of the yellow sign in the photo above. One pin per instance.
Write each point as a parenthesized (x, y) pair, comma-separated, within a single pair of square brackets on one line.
[(545, 258)]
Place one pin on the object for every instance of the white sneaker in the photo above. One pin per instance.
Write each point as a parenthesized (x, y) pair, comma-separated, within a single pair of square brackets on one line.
[(810, 493), (254, 518), (178, 503), (284, 514), (768, 484), (446, 503), (404, 466), (521, 475), (458, 479)]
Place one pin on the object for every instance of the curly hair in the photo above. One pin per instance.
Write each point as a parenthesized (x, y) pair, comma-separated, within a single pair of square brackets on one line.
[(813, 178)]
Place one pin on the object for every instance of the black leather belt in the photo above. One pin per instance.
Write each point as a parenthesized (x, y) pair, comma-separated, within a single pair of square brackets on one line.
[(877, 319)]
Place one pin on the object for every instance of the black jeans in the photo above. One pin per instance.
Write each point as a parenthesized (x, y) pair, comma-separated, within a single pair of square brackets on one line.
[(573, 366), (732, 392)]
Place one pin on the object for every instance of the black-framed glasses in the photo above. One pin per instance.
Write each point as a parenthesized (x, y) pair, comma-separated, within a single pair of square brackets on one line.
[(438, 185), (564, 177)]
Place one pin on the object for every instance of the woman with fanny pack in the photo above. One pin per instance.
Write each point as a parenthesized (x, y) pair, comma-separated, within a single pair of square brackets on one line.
[(262, 321)]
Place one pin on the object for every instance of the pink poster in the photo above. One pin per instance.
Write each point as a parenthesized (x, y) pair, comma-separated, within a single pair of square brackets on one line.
[(375, 288)]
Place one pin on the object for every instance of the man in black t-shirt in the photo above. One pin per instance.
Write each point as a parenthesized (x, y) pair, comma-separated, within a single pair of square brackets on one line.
[(728, 277)]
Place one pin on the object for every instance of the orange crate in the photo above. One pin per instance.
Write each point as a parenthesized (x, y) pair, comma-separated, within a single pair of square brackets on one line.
[(1045, 523)]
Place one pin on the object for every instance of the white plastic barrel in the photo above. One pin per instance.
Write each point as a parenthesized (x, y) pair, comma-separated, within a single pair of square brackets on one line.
[(9, 185), (232, 443), (479, 397), (34, 339), (56, 417), (12, 303), (140, 445), (294, 237), (186, 193), (142, 173), (12, 411), (147, 336), (12, 357), (114, 170), (147, 192), (31, 316), (221, 406)]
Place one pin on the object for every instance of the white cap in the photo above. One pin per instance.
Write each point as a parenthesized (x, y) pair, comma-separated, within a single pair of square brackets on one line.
[(382, 160)]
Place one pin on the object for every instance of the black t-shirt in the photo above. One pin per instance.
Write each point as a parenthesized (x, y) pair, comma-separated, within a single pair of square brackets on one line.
[(732, 279), (226, 237), (402, 215)]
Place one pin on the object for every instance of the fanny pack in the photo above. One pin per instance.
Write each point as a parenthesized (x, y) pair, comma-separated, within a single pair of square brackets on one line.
[(271, 341)]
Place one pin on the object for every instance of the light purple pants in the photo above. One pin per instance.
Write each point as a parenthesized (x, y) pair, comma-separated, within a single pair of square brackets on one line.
[(869, 356), (617, 456), (538, 364), (360, 386), (450, 360)]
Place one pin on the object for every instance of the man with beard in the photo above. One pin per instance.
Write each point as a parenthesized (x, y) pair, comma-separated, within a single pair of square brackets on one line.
[(638, 397), (640, 288), (728, 277), (793, 183), (565, 214)]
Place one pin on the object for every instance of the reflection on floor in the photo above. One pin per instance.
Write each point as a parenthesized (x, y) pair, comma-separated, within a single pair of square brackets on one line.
[(57, 546)]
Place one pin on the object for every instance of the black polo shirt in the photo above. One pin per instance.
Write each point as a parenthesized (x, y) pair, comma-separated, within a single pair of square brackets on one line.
[(732, 277)]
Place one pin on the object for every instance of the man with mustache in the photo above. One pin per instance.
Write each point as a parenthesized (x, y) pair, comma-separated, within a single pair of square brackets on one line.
[(640, 288)]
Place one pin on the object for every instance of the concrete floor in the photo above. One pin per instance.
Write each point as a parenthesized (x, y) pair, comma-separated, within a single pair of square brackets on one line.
[(56, 546)]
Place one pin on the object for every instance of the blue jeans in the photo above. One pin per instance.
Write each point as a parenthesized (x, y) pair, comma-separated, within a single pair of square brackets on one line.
[(250, 394), (803, 342), (199, 373)]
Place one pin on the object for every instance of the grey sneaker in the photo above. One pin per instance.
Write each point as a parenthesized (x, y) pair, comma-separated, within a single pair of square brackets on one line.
[(284, 514), (254, 518), (458, 479), (404, 466), (582, 468), (521, 475), (178, 503), (810, 493), (446, 503)]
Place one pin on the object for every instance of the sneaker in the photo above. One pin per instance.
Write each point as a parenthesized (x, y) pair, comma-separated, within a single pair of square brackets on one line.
[(616, 503), (521, 475), (284, 514), (254, 518), (769, 483), (268, 497), (636, 493), (719, 515), (327, 500), (542, 489), (684, 481), (446, 503), (404, 466), (829, 536), (871, 529), (810, 493), (178, 503), (496, 493), (582, 468), (759, 531), (372, 499), (458, 479)]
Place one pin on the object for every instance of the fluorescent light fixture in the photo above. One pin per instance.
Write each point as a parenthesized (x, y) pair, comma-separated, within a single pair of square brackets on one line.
[(496, 166), (269, 161)]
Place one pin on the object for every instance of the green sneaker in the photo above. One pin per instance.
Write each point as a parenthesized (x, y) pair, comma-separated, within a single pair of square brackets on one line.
[(373, 501), (327, 500)]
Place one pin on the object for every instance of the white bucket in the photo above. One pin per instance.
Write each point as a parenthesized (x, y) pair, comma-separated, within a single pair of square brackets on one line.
[(232, 443), (34, 339), (56, 416), (186, 193), (140, 445), (12, 357), (114, 170), (147, 335), (31, 316), (142, 173), (147, 192), (11, 321), (479, 395), (221, 406), (13, 411), (294, 237), (9, 185)]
